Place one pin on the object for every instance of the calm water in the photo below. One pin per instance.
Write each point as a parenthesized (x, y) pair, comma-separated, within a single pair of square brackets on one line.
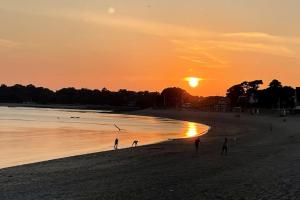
[(30, 135)]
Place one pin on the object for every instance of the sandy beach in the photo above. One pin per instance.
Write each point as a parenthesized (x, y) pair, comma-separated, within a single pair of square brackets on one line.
[(261, 164)]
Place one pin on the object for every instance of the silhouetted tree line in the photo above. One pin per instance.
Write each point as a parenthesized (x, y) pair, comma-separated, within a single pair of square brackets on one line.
[(248, 94), (31, 94), (169, 97), (245, 94)]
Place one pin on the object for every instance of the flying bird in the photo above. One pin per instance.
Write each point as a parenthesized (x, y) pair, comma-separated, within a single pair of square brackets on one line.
[(119, 128)]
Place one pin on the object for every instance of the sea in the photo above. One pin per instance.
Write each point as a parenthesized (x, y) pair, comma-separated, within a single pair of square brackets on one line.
[(29, 135)]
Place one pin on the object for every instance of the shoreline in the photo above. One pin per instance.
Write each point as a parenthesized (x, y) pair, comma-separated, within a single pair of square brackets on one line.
[(72, 106), (262, 164), (92, 133), (111, 149)]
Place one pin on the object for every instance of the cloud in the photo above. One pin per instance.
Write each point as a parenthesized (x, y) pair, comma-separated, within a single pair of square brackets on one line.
[(265, 37), (273, 49), (204, 52), (200, 55), (195, 45), (252, 35), (139, 25), (192, 43), (8, 43), (256, 42)]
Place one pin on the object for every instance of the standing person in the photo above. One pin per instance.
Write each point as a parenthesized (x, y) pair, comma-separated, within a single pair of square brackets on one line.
[(197, 141), (116, 143), (225, 147)]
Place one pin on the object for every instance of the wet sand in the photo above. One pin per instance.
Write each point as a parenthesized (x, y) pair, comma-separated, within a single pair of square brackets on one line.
[(261, 164)]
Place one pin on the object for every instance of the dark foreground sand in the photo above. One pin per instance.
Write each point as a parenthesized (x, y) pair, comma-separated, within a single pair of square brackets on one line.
[(263, 164)]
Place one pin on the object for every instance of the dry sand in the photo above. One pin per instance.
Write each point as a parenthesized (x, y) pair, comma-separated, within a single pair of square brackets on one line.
[(262, 164)]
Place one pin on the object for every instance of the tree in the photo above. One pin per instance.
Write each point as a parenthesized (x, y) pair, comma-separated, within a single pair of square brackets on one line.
[(32, 94), (274, 91), (248, 94), (252, 91), (173, 97), (275, 84), (235, 92)]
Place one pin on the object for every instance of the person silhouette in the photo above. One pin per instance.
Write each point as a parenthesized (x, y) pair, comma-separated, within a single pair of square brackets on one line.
[(135, 142), (197, 141), (116, 143), (225, 147)]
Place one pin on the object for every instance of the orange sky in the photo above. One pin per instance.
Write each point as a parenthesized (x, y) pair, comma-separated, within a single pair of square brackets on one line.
[(150, 44)]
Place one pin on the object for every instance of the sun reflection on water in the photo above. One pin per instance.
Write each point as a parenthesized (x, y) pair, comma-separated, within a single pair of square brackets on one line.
[(192, 129)]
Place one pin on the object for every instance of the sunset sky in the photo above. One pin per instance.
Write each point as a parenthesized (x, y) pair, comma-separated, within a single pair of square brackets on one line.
[(149, 44)]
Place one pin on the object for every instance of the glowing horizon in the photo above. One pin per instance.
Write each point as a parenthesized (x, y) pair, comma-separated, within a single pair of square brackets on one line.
[(149, 45)]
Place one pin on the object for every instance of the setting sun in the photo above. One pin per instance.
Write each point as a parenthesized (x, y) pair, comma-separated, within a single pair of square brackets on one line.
[(193, 81)]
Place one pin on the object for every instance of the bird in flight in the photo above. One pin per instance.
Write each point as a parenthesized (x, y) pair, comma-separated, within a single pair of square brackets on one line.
[(119, 128)]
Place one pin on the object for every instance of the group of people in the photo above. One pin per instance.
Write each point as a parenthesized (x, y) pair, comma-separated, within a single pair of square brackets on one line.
[(224, 147), (224, 150), (134, 143), (197, 141)]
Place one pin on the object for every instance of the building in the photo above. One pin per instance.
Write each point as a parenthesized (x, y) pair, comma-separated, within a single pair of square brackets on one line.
[(222, 105), (214, 103), (297, 99)]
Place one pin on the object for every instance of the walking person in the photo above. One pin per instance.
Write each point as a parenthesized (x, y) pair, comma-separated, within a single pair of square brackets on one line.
[(116, 143), (225, 147)]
